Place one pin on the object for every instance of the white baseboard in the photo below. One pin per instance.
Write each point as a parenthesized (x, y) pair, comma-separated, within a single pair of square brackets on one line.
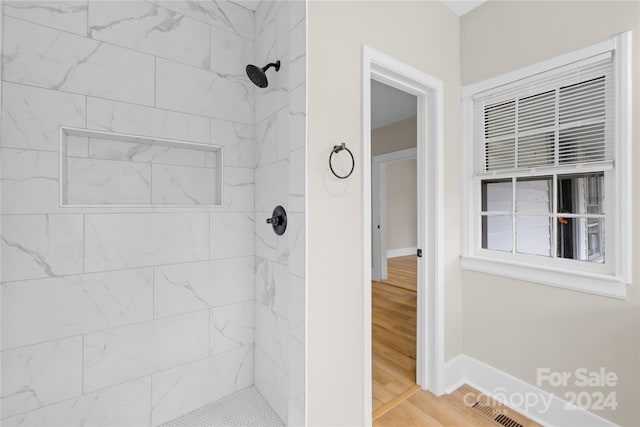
[(394, 253), (550, 410)]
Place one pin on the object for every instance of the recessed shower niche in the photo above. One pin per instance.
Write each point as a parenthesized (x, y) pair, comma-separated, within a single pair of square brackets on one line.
[(112, 169)]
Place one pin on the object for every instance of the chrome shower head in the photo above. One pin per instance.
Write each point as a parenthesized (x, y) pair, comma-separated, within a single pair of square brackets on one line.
[(258, 75)]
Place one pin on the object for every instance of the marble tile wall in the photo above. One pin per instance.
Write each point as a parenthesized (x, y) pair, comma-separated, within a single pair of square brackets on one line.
[(138, 171), (124, 316), (280, 165)]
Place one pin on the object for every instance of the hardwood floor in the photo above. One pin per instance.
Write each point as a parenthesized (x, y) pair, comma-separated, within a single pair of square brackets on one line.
[(425, 409), (394, 332), (394, 342), (402, 272), (397, 400)]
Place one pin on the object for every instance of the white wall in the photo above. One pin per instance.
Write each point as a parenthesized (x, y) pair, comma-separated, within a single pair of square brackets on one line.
[(421, 34), (280, 31), (402, 205), (395, 137), (114, 316), (401, 182), (534, 325)]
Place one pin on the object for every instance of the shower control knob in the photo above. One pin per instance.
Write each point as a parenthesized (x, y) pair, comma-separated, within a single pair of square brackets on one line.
[(274, 220), (278, 220)]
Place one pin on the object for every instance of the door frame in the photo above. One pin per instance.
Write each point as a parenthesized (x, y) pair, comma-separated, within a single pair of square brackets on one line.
[(379, 206), (430, 289)]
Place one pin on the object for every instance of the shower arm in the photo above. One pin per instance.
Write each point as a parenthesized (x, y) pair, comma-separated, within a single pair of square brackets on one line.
[(276, 65)]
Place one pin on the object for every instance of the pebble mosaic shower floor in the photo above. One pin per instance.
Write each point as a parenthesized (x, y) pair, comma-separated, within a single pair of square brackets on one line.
[(244, 408)]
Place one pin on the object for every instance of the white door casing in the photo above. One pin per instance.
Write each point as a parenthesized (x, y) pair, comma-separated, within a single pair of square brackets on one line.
[(430, 295)]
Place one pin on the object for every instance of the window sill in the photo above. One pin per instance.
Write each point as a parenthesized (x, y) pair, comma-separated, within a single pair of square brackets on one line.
[(593, 283)]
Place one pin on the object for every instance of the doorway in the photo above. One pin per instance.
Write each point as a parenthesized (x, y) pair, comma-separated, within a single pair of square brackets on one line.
[(394, 238), (429, 293)]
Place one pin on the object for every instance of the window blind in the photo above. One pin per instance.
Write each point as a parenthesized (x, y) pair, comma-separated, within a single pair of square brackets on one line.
[(554, 119)]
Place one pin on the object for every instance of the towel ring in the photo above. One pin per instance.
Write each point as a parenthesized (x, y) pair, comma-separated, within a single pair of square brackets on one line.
[(337, 149)]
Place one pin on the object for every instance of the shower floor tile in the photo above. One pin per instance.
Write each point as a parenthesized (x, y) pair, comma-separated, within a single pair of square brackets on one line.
[(246, 407)]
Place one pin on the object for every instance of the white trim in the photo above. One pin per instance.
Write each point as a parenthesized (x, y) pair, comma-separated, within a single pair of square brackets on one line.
[(430, 318), (367, 389), (379, 206), (501, 386), (540, 67), (394, 156), (624, 121), (394, 253), (608, 280), (593, 283)]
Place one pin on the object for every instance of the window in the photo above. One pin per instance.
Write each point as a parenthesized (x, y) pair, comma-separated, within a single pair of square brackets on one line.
[(548, 172)]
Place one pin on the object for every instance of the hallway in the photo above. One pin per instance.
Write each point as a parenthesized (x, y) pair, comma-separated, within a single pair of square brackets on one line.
[(394, 331)]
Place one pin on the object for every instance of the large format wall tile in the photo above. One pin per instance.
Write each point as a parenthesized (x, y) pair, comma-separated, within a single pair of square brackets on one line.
[(145, 152), (53, 59), (105, 182), (47, 309), (237, 139), (31, 116), (272, 335), (121, 354), (232, 327), (266, 141), (297, 180), (29, 181), (41, 245), (282, 142), (297, 56), (132, 400), (297, 12), (133, 119), (238, 189), (297, 307), (221, 14), (230, 53), (40, 375), (297, 244), (183, 185), (272, 382), (266, 241), (272, 185), (231, 234), (186, 388), (149, 28), (266, 15), (283, 29), (296, 417), (183, 288), (136, 240), (272, 285), (197, 91), (296, 372), (64, 15), (297, 118)]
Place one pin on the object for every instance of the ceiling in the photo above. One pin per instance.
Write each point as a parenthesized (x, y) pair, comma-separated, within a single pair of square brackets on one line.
[(390, 105), (460, 7)]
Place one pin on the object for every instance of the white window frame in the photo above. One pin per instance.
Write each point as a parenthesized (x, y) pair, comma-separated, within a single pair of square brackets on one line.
[(610, 279)]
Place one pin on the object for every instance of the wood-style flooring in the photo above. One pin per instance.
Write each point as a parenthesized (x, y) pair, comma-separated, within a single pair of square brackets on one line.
[(401, 272), (394, 331), (425, 409), (397, 400)]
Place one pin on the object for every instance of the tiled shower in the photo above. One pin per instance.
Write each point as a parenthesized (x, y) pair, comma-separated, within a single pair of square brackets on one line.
[(129, 297)]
